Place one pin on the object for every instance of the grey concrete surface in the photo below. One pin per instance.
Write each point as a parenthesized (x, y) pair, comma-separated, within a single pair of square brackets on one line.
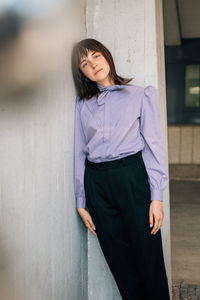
[(185, 231)]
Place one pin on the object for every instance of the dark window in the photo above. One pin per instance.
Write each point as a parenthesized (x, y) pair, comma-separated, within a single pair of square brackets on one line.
[(192, 77), (183, 82)]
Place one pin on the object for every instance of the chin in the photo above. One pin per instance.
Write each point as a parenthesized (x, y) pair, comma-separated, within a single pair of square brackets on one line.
[(100, 78)]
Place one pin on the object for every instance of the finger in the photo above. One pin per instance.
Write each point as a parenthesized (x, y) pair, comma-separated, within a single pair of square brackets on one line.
[(160, 223), (150, 219), (156, 226), (156, 230), (89, 219), (93, 231), (91, 228), (91, 224)]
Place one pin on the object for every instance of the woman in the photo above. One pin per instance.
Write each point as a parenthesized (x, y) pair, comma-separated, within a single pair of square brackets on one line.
[(120, 171)]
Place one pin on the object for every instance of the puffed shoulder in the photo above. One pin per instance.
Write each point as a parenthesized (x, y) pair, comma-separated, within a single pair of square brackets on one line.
[(150, 90)]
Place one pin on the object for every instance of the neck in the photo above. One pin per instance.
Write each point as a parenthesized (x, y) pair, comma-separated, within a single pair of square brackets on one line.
[(106, 82)]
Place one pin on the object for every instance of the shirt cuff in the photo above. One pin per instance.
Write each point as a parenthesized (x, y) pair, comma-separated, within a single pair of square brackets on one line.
[(80, 203), (156, 194)]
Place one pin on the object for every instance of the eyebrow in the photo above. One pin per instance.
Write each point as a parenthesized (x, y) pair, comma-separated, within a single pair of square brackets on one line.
[(85, 59)]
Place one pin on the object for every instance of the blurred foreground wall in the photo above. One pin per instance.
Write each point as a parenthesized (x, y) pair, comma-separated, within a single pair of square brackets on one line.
[(43, 245)]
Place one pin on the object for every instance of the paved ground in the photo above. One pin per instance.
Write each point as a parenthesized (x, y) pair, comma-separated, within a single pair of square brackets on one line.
[(185, 238), (181, 291)]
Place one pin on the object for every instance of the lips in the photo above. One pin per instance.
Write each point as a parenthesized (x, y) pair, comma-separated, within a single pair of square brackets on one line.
[(98, 71)]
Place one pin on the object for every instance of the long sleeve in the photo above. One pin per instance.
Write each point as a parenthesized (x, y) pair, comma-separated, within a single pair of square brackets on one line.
[(153, 153), (79, 158)]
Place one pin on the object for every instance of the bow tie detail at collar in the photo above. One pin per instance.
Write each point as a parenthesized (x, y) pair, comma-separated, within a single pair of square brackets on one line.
[(105, 89)]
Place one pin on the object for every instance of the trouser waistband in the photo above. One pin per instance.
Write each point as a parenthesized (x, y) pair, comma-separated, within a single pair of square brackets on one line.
[(124, 161)]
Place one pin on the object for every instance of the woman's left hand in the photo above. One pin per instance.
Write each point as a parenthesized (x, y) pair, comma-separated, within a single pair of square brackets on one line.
[(156, 215)]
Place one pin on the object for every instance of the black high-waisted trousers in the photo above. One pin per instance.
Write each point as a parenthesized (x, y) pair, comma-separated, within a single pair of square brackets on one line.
[(118, 198)]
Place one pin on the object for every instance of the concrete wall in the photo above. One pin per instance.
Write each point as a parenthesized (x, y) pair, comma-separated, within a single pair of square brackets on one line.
[(184, 144), (133, 31)]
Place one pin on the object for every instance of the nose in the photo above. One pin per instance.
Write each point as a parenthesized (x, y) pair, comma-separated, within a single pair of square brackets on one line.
[(94, 64)]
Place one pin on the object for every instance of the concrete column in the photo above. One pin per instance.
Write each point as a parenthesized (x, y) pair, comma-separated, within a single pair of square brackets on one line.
[(133, 31)]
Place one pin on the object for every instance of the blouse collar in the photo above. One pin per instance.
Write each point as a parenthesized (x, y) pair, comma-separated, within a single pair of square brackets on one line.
[(105, 89)]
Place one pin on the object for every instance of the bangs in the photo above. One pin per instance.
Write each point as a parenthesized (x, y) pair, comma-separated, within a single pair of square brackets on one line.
[(82, 50)]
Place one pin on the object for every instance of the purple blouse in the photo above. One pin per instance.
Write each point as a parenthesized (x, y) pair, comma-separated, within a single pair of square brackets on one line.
[(122, 121)]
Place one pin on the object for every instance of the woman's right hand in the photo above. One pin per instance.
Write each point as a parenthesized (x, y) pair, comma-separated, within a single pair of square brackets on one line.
[(87, 219)]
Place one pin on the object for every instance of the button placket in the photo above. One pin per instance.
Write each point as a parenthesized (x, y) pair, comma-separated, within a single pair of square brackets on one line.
[(106, 124)]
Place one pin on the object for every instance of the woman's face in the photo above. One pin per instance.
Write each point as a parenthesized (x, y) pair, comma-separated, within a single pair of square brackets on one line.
[(95, 66)]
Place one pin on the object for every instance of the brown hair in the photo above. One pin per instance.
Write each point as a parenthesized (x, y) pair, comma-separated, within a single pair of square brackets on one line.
[(85, 87)]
